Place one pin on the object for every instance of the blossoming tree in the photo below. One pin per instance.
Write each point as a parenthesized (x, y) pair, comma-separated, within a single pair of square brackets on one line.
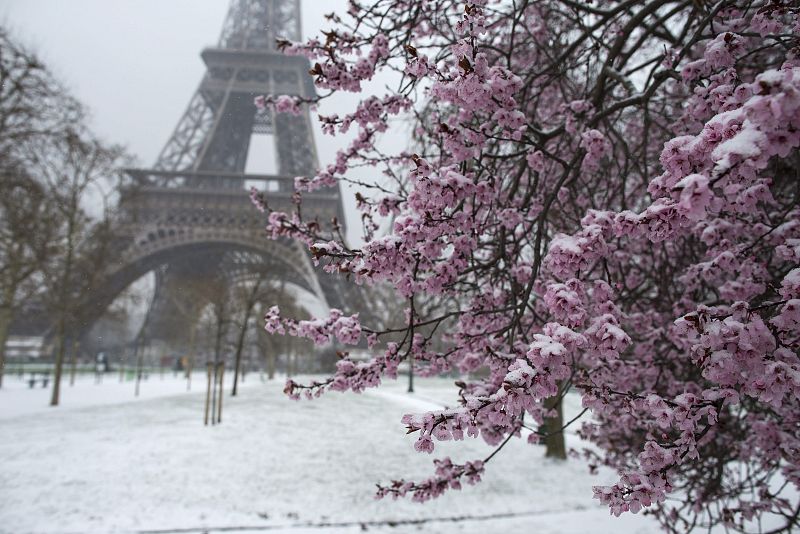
[(608, 192)]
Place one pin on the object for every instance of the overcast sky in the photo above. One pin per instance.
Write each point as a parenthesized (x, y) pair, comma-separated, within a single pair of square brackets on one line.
[(136, 63)]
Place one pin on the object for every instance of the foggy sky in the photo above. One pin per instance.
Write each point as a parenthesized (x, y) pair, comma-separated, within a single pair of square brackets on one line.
[(136, 63)]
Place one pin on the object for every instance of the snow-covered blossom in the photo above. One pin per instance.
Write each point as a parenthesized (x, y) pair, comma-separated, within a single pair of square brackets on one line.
[(604, 200)]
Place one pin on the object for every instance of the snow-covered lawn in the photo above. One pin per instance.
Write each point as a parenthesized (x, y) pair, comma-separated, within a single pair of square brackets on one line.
[(106, 462)]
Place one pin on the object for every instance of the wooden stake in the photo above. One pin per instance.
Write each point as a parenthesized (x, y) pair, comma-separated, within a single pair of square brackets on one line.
[(208, 392), (221, 375)]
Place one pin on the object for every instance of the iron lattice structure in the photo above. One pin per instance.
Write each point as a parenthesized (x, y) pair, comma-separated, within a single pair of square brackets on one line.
[(190, 215), (214, 132)]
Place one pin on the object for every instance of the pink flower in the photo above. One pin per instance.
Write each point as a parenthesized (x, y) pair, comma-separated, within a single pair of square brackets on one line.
[(695, 196), (287, 104), (424, 444)]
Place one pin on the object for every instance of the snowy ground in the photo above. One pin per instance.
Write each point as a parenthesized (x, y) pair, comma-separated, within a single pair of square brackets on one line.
[(107, 462)]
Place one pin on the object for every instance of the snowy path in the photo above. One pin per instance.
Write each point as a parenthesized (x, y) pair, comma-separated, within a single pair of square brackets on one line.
[(102, 463)]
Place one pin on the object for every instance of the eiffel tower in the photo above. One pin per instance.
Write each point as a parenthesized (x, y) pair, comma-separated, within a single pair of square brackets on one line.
[(190, 215)]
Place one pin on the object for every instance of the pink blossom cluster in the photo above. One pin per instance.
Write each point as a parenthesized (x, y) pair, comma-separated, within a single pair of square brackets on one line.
[(448, 476), (346, 330), (602, 200), (280, 104)]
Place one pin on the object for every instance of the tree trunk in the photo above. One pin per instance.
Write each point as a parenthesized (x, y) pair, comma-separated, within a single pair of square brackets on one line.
[(238, 360), (221, 387), (271, 364), (217, 353), (554, 434), (189, 361), (411, 373), (249, 305), (190, 358), (208, 392), (63, 305), (215, 369), (5, 324), (54, 399), (139, 355), (74, 362)]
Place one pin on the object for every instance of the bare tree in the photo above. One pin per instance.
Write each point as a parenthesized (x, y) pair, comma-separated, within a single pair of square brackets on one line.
[(77, 171), (197, 294), (249, 299), (26, 230), (245, 298), (273, 345), (216, 321), (34, 111), (92, 262), (33, 104)]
